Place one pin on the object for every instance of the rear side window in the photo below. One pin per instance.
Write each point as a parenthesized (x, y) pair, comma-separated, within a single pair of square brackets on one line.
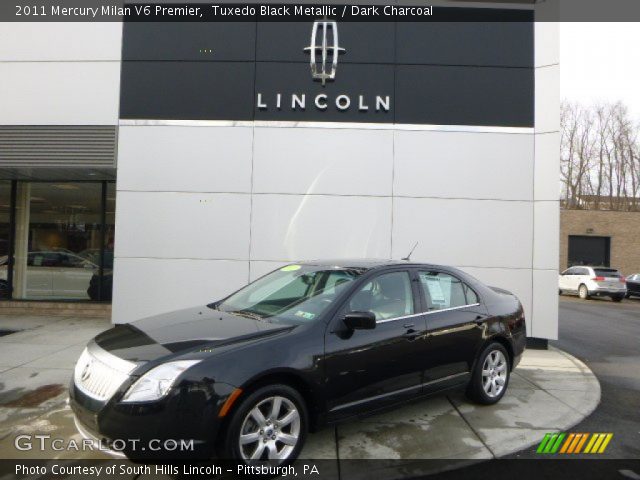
[(443, 291), (606, 272)]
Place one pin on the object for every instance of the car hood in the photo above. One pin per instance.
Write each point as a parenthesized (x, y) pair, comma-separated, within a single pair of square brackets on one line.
[(182, 331)]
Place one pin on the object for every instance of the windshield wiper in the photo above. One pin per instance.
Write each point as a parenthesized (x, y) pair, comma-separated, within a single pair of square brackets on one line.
[(247, 314)]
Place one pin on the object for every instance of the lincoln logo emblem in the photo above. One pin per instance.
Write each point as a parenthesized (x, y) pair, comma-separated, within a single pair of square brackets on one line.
[(86, 372), (324, 44)]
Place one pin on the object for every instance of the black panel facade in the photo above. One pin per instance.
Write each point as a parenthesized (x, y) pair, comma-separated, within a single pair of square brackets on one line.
[(501, 44), (464, 96), (213, 41), (187, 90), (389, 72)]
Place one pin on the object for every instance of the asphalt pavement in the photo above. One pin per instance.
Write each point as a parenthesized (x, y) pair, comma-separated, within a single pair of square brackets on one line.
[(606, 337)]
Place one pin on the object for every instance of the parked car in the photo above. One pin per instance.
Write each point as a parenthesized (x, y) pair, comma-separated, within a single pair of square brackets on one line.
[(588, 282), (633, 285), (309, 344), (55, 274)]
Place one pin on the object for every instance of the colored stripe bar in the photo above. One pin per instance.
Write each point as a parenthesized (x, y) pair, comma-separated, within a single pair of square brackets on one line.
[(594, 437), (607, 439), (550, 443), (543, 443), (567, 442), (556, 445), (581, 443), (576, 439)]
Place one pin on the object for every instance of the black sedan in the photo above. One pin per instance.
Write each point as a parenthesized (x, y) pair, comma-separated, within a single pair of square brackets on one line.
[(633, 285), (309, 344)]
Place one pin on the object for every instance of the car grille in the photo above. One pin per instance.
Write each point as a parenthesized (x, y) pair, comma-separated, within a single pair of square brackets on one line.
[(99, 374)]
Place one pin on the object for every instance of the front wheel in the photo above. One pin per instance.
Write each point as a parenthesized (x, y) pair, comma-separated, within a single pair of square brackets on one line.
[(270, 425), (490, 376)]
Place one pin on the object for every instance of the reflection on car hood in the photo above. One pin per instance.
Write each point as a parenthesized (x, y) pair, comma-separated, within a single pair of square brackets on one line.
[(182, 330)]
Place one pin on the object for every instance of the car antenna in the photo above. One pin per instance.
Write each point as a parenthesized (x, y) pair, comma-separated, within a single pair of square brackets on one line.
[(408, 257)]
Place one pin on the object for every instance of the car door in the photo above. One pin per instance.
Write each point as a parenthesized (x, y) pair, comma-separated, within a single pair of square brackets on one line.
[(368, 368), (568, 279), (454, 316), (633, 284), (563, 283)]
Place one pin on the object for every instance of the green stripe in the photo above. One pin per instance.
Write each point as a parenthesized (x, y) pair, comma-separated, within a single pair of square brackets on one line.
[(543, 443), (558, 443), (550, 443)]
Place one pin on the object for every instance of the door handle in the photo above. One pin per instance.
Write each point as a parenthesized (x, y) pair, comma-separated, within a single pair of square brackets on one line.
[(409, 325), (480, 319), (411, 334)]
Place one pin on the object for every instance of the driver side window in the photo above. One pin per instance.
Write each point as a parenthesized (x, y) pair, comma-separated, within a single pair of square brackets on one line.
[(387, 296)]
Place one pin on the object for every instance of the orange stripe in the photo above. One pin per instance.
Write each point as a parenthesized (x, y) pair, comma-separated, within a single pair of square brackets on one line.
[(567, 442), (584, 439), (575, 442), (229, 402)]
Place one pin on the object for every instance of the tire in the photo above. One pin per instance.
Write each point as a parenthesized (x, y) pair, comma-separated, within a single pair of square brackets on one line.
[(484, 379), (559, 292), (617, 298), (252, 418), (628, 295), (583, 292)]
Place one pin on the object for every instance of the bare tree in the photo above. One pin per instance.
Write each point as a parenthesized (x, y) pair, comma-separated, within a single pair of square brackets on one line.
[(599, 158)]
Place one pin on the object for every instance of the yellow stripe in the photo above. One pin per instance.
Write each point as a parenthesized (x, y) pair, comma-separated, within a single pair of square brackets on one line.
[(567, 442), (598, 442), (575, 442), (605, 443), (584, 439), (590, 444)]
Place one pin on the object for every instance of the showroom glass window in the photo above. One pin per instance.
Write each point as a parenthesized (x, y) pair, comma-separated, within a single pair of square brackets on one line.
[(62, 241), (5, 236)]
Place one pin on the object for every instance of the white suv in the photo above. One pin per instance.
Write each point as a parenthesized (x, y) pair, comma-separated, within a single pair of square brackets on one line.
[(593, 281)]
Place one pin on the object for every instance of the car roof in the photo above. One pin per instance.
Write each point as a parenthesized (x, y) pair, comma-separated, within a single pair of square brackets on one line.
[(363, 263)]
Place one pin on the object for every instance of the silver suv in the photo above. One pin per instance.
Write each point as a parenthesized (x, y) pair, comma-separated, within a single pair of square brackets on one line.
[(593, 281)]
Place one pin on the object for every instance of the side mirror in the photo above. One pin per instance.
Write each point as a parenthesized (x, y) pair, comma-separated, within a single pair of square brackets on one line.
[(360, 321)]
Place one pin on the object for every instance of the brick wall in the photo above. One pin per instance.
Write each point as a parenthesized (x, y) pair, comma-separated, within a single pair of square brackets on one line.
[(622, 227)]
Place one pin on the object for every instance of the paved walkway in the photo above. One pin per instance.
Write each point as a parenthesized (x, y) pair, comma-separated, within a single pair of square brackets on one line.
[(549, 391)]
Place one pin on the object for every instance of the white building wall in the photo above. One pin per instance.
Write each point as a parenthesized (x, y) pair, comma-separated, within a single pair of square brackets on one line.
[(59, 73), (326, 192)]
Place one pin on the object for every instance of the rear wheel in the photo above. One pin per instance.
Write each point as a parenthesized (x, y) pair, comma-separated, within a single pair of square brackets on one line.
[(270, 425), (490, 377), (628, 295), (617, 298), (583, 292)]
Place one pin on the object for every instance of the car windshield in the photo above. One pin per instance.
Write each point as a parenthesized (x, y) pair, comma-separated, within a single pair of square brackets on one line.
[(294, 294)]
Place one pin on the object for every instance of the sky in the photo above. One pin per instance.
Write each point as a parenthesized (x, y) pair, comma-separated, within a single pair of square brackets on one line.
[(601, 62)]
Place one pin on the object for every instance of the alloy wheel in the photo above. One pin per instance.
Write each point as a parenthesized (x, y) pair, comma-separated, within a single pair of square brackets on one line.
[(494, 373), (270, 431), (583, 292)]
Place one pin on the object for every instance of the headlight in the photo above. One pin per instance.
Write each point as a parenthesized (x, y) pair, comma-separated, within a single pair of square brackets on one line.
[(155, 384)]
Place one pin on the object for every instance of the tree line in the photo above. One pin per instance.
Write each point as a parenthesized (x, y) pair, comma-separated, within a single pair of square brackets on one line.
[(599, 157)]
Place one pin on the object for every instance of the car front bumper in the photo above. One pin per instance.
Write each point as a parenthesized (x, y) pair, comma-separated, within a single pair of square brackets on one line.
[(183, 425)]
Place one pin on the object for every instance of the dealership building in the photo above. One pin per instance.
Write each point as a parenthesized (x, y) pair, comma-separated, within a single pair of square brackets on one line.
[(191, 158)]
